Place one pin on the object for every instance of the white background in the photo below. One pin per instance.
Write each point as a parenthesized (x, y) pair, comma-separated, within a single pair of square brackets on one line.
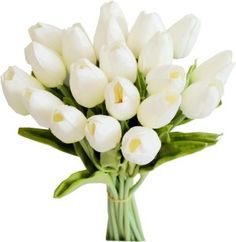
[(192, 199)]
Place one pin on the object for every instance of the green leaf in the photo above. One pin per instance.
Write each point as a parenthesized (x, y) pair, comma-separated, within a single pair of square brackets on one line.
[(189, 73), (79, 179), (46, 137), (110, 160), (181, 144), (141, 85)]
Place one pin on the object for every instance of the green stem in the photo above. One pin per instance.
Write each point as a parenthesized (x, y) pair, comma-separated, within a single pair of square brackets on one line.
[(123, 220)]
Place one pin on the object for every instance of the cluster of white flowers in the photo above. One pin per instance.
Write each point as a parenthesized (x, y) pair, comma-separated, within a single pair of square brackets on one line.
[(106, 71)]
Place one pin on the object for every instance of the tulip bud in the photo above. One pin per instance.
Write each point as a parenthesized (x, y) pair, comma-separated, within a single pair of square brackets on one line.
[(184, 35), (158, 110), (122, 99), (201, 98), (116, 59), (166, 78), (68, 124), (47, 65), (140, 145), (41, 105), (87, 83), (218, 67), (157, 52), (14, 83), (108, 11), (145, 26), (76, 45), (103, 132), (47, 35)]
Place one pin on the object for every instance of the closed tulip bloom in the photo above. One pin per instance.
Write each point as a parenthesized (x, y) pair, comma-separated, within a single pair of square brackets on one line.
[(103, 132), (41, 105), (68, 124), (108, 10), (157, 52), (218, 67), (184, 35), (145, 26), (116, 59), (76, 45), (46, 64), (166, 78), (140, 145), (158, 110), (122, 99), (47, 35), (14, 83), (201, 98), (87, 83)]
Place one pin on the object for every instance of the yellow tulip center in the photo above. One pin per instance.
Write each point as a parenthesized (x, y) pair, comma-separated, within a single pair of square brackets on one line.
[(91, 128), (118, 91), (58, 117), (171, 98), (134, 144), (174, 74)]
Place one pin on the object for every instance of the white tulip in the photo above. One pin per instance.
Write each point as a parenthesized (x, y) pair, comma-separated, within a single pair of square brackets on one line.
[(76, 45), (201, 98), (218, 67), (41, 105), (157, 52), (108, 11), (87, 83), (14, 83), (46, 64), (145, 26), (47, 35), (116, 59), (184, 35), (103, 132), (166, 78), (140, 145), (122, 99), (158, 110), (68, 124)]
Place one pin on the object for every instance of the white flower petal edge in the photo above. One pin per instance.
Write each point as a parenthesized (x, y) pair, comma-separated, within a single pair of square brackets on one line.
[(201, 98), (145, 26), (140, 145), (14, 83), (108, 10), (158, 110), (87, 83), (47, 35), (184, 35), (41, 105), (46, 64), (103, 132), (166, 78), (76, 45), (116, 59), (68, 124), (157, 52), (217, 67), (122, 99)]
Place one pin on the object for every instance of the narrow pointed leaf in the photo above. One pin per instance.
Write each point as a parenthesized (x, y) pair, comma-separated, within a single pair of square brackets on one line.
[(46, 137), (79, 179)]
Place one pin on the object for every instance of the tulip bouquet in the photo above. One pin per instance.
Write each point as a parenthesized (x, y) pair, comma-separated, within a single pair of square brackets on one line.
[(115, 104)]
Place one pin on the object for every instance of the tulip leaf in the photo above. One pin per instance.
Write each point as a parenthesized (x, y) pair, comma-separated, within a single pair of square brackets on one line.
[(189, 73), (110, 160), (141, 85), (46, 137), (79, 179), (181, 144)]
